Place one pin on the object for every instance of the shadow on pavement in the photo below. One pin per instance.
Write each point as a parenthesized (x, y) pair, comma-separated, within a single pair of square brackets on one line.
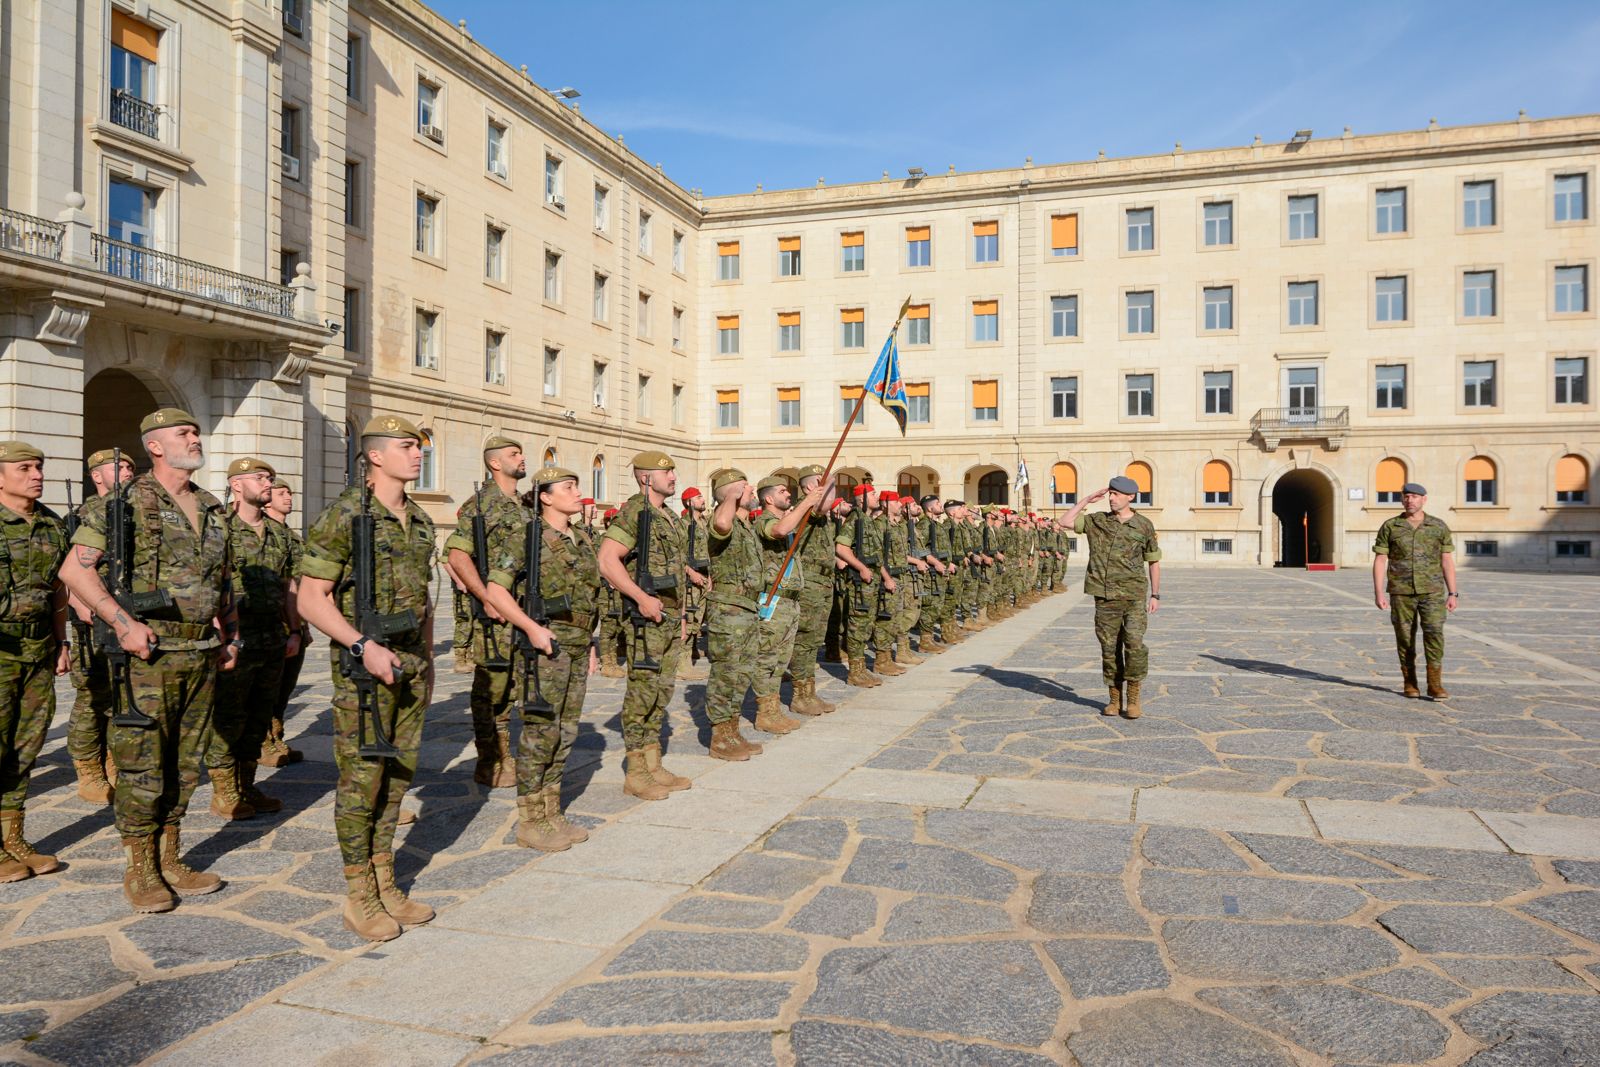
[(1283, 670)]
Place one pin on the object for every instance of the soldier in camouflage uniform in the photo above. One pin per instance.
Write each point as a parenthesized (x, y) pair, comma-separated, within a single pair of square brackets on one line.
[(275, 749), (505, 519), (91, 671), (179, 546), (659, 641), (892, 637), (733, 610), (698, 564), (1122, 543), (859, 545), (839, 605), (33, 643), (942, 559), (775, 528), (269, 625), (367, 798), (816, 559), (1414, 577), (613, 640)]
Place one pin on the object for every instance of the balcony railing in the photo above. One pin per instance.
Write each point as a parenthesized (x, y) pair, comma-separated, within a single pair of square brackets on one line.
[(1301, 423), (140, 116), (166, 271), (30, 235)]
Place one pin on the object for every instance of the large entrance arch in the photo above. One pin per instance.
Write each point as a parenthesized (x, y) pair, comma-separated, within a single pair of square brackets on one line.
[(1303, 519), (114, 403), (987, 484)]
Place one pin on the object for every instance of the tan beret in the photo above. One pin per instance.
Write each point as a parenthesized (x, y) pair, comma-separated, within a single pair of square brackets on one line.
[(280, 482), (165, 417), (654, 461), (772, 481), (552, 474), (726, 476), (500, 441), (391, 426), (18, 451), (813, 470), (249, 465), (101, 458)]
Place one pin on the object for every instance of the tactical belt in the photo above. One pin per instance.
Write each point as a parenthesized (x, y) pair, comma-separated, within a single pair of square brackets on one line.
[(27, 631), (580, 621), (184, 636)]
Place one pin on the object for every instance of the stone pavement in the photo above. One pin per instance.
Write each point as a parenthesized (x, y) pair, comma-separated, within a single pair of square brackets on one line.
[(1283, 862)]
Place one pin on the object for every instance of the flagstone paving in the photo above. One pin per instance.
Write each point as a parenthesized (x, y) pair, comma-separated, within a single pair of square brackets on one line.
[(1283, 862)]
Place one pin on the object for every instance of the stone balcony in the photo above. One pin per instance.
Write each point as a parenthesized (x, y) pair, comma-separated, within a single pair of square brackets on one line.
[(1272, 426)]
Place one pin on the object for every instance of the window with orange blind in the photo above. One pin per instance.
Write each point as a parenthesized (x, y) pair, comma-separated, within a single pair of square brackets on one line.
[(788, 257), (728, 335), (727, 261), (1216, 481), (135, 37), (1064, 484), (1572, 480), (788, 331), (853, 251), (1142, 477), (919, 327), (1479, 476), (919, 399), (788, 407), (919, 246), (727, 409), (788, 318), (788, 394), (853, 328), (986, 400), (1391, 476), (1064, 235), (986, 320), (848, 396), (985, 242)]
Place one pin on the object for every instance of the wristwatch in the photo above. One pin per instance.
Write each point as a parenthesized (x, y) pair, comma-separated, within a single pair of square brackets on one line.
[(1155, 596), (358, 647)]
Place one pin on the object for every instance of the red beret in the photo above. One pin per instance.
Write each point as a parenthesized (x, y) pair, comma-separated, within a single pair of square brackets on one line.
[(838, 502), (754, 512), (691, 492), (861, 490), (611, 513), (587, 500)]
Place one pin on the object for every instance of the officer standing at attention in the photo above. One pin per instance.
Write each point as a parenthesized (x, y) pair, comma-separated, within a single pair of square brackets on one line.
[(367, 798), (91, 672), (654, 650), (33, 643), (275, 750), (697, 566), (1414, 577), (1122, 543), (178, 554)]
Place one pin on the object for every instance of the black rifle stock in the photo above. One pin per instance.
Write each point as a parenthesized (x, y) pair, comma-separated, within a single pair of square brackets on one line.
[(82, 632), (119, 583), (650, 585), (493, 658), (374, 626), (536, 607), (695, 597), (859, 547)]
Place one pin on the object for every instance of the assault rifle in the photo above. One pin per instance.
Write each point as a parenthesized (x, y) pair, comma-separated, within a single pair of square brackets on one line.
[(119, 583), (493, 659), (919, 577), (699, 641), (859, 547), (536, 607), (649, 584), (884, 614), (81, 631), (374, 626)]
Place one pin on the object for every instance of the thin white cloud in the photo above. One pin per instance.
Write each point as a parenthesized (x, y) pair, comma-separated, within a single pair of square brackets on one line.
[(627, 116)]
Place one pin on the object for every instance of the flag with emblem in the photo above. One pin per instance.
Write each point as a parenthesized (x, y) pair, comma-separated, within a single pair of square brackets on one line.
[(885, 383), (1022, 473)]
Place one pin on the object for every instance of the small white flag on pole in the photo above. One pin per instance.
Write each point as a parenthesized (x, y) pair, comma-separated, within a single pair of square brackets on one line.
[(1022, 473)]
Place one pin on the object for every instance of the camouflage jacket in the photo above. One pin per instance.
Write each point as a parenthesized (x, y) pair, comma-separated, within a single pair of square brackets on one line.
[(31, 551), (168, 553), (892, 536), (816, 550), (773, 551), (263, 564), (668, 547), (1118, 554), (863, 535), (569, 577), (505, 520), (1416, 563), (404, 564), (696, 550), (735, 567)]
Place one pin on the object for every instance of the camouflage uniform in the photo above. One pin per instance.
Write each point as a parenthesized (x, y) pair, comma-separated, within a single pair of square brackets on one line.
[(290, 677), (569, 569), (902, 603), (1119, 553), (31, 551), (860, 534), (461, 642), (158, 766), (697, 556), (815, 557), (644, 706), (88, 724), (247, 695), (1416, 585), (505, 520), (367, 800), (736, 582), (778, 632)]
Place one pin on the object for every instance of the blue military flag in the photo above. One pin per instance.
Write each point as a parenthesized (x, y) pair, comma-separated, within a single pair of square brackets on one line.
[(885, 382)]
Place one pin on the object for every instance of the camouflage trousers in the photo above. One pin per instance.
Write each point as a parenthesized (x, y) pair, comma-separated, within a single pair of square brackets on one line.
[(91, 710), (776, 646), (247, 696), (27, 704), (547, 739), (909, 611), (644, 705), (886, 632), (815, 602), (366, 801), (860, 618), (838, 616), (1120, 626), (158, 766), (286, 683), (733, 668), (462, 641), (490, 698), (615, 636), (1406, 610)]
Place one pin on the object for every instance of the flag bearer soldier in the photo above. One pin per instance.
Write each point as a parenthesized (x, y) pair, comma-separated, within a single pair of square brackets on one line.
[(33, 643), (504, 520), (178, 555), (775, 528), (1122, 544), (816, 559), (656, 646), (1414, 577), (367, 797), (91, 671), (275, 750)]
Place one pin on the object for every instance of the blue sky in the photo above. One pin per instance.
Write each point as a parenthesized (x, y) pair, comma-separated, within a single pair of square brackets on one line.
[(728, 94)]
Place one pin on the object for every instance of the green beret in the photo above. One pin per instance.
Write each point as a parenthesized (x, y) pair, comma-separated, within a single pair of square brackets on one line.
[(814, 470), (18, 451), (391, 426), (654, 461), (772, 481), (280, 482), (726, 476), (165, 417), (500, 441), (100, 458), (248, 465), (551, 475)]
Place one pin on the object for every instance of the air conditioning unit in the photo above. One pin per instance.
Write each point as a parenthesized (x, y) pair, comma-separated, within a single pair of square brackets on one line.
[(498, 168), (291, 21), (433, 133), (291, 167), (556, 200)]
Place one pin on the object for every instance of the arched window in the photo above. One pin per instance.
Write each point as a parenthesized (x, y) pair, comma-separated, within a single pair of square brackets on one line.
[(1139, 471), (844, 485), (1217, 483), (1064, 482), (908, 485), (550, 457), (597, 488), (1572, 480), (1480, 480), (428, 480), (1391, 477), (994, 488)]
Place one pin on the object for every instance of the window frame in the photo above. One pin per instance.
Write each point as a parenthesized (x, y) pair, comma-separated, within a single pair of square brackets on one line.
[(778, 332), (552, 279), (798, 425), (1076, 336), (434, 254), (906, 244), (973, 419), (1203, 223), (491, 123), (433, 367), (503, 333), (1410, 297), (1407, 386), (1408, 206), (502, 280), (1319, 194), (1554, 173), (1203, 307), (1495, 203), (1076, 393), (1588, 403), (1496, 385), (1553, 288), (1126, 392), (550, 372), (1124, 211), (973, 339), (436, 111), (1288, 324), (1203, 393), (1123, 333), (1496, 294)]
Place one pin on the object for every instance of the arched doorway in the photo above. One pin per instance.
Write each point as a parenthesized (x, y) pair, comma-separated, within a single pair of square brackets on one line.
[(917, 480), (1303, 513), (114, 403), (845, 479), (994, 488)]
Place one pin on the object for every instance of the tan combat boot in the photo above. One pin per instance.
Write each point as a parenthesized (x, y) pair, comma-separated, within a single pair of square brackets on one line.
[(253, 796), (1436, 691), (770, 717), (17, 848), (92, 783), (860, 677), (141, 881), (401, 908), (12, 870), (904, 656), (806, 701), (1133, 710), (610, 668), (534, 828), (1114, 705), (407, 817), (363, 910), (1409, 674), (176, 873), (274, 752), (505, 767), (727, 744), (226, 800), (929, 644), (983, 620), (552, 811), (660, 775), (483, 771), (639, 782), (886, 666)]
